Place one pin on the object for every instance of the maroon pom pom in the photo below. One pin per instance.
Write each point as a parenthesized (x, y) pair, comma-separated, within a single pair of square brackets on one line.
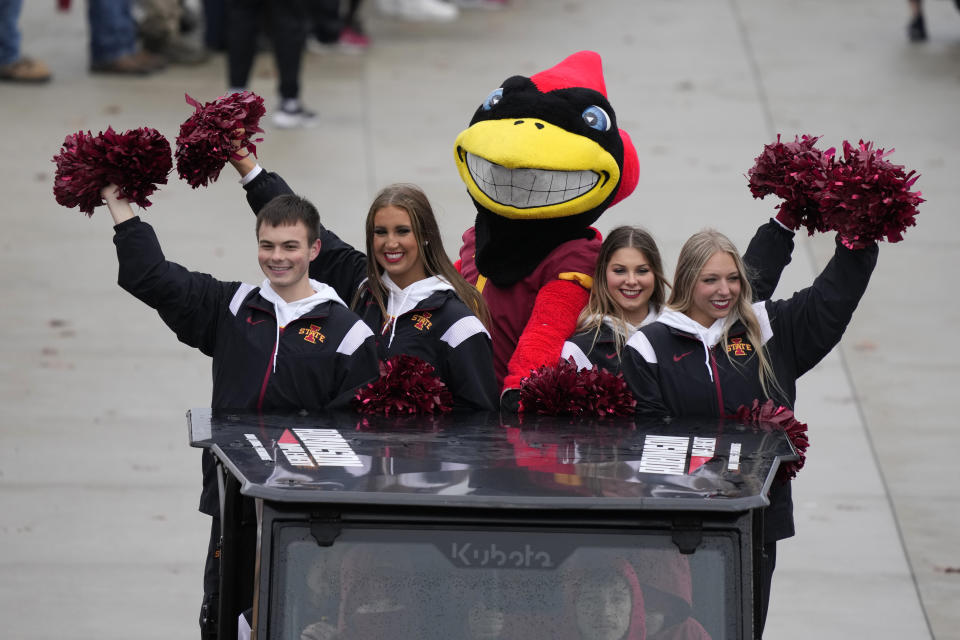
[(562, 389), (865, 198), (407, 385), (136, 161), (211, 136), (769, 415), (792, 171)]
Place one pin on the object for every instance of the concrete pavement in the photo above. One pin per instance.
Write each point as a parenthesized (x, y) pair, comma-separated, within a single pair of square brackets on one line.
[(99, 533)]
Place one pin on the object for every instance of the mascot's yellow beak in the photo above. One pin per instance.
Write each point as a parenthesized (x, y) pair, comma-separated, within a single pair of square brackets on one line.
[(530, 169)]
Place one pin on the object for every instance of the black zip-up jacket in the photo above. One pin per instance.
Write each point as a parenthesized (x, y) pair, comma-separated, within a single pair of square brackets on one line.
[(322, 358), (440, 329), (769, 252), (672, 375)]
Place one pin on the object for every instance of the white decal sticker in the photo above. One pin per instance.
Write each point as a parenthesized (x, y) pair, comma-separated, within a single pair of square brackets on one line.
[(328, 448), (293, 452), (703, 447), (733, 464), (258, 447), (664, 454)]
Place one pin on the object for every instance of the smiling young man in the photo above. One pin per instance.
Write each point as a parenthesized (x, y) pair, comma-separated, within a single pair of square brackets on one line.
[(288, 345)]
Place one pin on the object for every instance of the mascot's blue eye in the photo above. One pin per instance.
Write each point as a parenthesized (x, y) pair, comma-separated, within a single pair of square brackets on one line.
[(493, 99), (596, 118)]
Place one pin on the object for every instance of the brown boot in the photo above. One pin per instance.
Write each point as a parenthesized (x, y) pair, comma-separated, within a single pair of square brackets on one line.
[(136, 64), (25, 70)]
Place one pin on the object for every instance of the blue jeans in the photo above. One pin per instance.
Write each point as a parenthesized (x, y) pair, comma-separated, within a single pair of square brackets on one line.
[(9, 34), (113, 32)]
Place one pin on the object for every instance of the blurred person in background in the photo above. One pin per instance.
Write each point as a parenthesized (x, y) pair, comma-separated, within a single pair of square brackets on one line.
[(287, 23), (13, 66)]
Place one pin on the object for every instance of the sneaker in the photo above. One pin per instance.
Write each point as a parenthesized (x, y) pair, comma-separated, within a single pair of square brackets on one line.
[(25, 70), (917, 30), (353, 41), (349, 41), (419, 10), (132, 64), (298, 118)]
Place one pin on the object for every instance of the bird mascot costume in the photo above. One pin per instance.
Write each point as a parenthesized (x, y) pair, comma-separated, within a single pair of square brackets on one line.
[(542, 159)]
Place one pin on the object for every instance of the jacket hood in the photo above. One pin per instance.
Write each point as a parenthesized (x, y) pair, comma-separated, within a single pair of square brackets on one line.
[(287, 312), (400, 301), (708, 336), (582, 575)]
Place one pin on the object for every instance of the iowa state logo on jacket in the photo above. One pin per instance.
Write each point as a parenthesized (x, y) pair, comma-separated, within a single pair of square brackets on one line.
[(312, 334), (421, 321), (738, 347)]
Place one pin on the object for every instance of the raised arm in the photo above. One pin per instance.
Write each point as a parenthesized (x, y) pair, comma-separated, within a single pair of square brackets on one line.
[(769, 252), (812, 321), (188, 302)]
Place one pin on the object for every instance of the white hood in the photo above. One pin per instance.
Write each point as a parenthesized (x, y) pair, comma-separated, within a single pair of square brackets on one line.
[(709, 336), (287, 312), (400, 301), (652, 315)]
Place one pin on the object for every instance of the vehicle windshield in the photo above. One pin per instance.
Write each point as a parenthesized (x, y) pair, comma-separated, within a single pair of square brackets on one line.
[(517, 584)]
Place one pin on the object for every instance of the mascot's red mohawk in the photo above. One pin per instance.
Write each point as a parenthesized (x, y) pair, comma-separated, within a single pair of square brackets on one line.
[(584, 69)]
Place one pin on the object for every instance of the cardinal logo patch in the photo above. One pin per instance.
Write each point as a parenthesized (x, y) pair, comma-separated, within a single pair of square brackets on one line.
[(421, 321), (739, 347), (312, 334)]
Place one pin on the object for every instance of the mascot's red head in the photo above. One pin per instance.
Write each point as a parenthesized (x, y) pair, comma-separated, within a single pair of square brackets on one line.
[(542, 159)]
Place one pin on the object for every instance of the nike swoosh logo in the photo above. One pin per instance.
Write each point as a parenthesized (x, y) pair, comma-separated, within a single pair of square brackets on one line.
[(610, 356), (250, 321), (678, 358)]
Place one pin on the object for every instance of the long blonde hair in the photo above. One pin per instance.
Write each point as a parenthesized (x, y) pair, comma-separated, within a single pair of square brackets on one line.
[(696, 251), (413, 200), (601, 304)]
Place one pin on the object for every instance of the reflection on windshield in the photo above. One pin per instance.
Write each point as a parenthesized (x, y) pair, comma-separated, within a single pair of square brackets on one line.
[(501, 585)]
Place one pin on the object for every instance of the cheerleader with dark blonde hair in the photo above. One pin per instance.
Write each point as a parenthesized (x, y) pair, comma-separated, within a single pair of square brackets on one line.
[(712, 350)]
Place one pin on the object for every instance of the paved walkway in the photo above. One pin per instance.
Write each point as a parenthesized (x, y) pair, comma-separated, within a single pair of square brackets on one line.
[(99, 533)]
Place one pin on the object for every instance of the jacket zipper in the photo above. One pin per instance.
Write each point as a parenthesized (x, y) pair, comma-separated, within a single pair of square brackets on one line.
[(266, 376), (716, 381)]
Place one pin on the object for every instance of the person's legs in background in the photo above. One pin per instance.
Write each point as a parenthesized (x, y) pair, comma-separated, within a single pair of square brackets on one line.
[(113, 40), (243, 18), (916, 28), (214, 24), (289, 20), (13, 67)]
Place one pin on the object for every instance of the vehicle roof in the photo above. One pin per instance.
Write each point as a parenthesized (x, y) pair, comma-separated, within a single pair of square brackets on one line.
[(478, 460)]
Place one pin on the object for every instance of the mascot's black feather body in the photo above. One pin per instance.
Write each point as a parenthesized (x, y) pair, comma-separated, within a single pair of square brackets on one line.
[(542, 159)]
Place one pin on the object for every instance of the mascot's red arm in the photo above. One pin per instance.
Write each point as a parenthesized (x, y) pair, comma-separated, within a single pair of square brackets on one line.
[(553, 320)]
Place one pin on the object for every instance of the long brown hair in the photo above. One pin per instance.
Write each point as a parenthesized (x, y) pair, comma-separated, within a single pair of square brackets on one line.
[(696, 251), (601, 304), (413, 200)]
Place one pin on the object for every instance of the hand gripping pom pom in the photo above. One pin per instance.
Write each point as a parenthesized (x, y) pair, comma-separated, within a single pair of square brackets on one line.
[(562, 389), (209, 138), (769, 415), (407, 385), (865, 198), (791, 171), (136, 161)]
